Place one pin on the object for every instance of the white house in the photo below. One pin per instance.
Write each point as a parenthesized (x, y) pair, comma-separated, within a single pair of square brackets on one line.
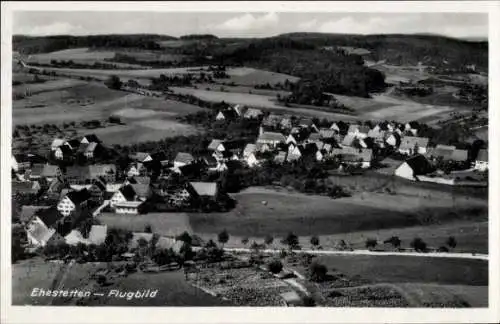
[(414, 166), (38, 233), (391, 139), (271, 138), (335, 127), (73, 200), (57, 142), (251, 160), (249, 149), (481, 162), (183, 159)]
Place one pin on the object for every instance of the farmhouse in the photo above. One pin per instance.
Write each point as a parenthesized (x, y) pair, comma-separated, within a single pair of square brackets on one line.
[(272, 120), (327, 133), (481, 163), (72, 201), (414, 166), (412, 145), (216, 145), (129, 207), (63, 152), (271, 138), (228, 114), (251, 160), (85, 174), (362, 157), (249, 149), (141, 157)]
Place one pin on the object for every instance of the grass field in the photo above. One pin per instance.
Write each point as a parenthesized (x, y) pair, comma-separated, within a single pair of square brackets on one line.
[(168, 224), (432, 295), (405, 269), (249, 77), (29, 274), (261, 101), (52, 85), (286, 212)]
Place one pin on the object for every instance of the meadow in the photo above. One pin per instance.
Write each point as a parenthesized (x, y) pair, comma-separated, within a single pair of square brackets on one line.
[(260, 212)]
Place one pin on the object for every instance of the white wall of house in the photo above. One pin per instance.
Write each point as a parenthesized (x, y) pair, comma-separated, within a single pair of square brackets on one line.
[(58, 154), (404, 171), (126, 210), (481, 165), (65, 206), (117, 198), (252, 160)]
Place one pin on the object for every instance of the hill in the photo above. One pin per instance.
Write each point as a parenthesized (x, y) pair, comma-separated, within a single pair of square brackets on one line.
[(402, 49), (45, 44)]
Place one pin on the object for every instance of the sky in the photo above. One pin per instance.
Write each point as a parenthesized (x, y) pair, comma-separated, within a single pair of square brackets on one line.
[(248, 24)]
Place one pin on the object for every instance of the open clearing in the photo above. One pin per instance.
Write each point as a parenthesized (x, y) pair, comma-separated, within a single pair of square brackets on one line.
[(406, 269), (166, 224), (432, 295), (52, 85), (285, 212)]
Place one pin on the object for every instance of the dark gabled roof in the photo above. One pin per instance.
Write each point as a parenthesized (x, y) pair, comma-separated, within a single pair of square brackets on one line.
[(189, 170), (229, 113), (419, 164), (159, 156), (74, 143), (27, 212), (140, 180), (78, 172), (210, 161), (66, 150), (141, 189), (23, 187), (82, 148), (482, 155), (49, 216), (77, 197), (234, 145), (305, 121), (92, 138), (128, 192), (21, 158)]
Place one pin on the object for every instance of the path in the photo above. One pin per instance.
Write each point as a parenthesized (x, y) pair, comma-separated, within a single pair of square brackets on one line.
[(472, 256)]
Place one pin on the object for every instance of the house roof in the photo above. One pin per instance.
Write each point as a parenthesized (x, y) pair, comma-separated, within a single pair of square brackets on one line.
[(97, 234), (77, 197), (314, 137), (272, 136), (214, 144), (66, 150), (482, 155), (365, 155), (229, 113), (305, 121), (272, 120), (184, 158), (97, 170), (129, 204), (78, 172), (249, 148), (74, 237), (280, 157), (27, 212), (40, 231), (327, 133), (205, 188), (364, 129), (24, 187), (21, 158), (460, 155), (58, 142), (139, 156), (74, 143), (353, 128), (49, 216), (253, 113), (142, 190), (419, 164), (91, 138), (91, 147), (210, 161), (348, 140), (445, 147), (82, 148), (140, 180), (128, 192)]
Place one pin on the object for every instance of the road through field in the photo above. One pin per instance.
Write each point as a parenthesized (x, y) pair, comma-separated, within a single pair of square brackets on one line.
[(472, 256)]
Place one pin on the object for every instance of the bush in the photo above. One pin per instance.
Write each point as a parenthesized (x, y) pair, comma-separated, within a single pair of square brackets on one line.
[(268, 239), (314, 240), (275, 266), (451, 242), (418, 245), (371, 243), (443, 249), (317, 272), (394, 240), (291, 240)]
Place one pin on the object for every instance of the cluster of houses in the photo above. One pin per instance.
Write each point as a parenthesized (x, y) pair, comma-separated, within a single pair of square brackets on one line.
[(286, 138), (89, 147), (282, 138)]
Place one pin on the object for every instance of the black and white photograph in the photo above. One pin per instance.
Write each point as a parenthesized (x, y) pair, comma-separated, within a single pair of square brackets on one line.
[(247, 158)]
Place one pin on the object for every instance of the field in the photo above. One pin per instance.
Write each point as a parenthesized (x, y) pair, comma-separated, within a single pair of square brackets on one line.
[(167, 224), (79, 56), (261, 101), (250, 77), (405, 269), (52, 85), (432, 295), (284, 212), (146, 118)]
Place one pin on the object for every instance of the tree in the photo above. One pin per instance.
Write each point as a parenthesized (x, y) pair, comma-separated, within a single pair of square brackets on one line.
[(314, 240), (186, 252), (451, 242), (395, 241), (371, 243), (268, 239), (317, 272), (148, 229), (244, 241), (291, 240), (418, 244), (185, 237), (275, 266), (223, 237), (114, 82)]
